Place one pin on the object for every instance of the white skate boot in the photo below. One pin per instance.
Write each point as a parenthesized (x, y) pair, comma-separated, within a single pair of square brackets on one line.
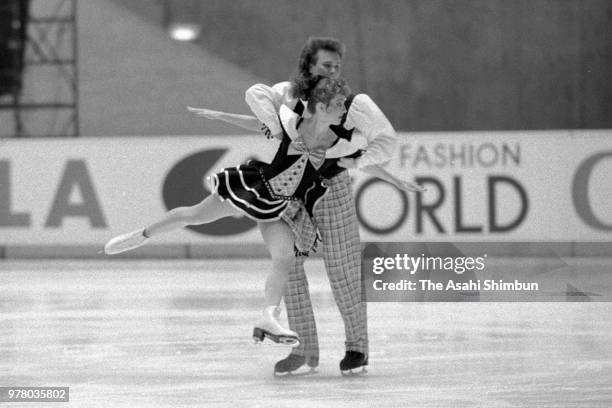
[(125, 242), (270, 327)]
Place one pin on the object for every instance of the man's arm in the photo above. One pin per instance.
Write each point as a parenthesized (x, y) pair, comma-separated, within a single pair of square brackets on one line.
[(367, 118), (379, 172), (265, 102)]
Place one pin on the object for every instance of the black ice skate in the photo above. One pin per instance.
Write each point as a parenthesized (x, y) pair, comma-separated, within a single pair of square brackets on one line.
[(352, 361), (296, 365)]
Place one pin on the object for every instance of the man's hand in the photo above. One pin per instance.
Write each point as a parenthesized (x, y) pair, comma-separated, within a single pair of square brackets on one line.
[(207, 113), (347, 163)]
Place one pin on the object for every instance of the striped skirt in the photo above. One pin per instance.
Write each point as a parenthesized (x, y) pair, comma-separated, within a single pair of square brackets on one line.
[(245, 188)]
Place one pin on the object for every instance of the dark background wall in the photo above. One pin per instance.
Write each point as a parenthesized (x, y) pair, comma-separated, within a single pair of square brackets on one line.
[(432, 64)]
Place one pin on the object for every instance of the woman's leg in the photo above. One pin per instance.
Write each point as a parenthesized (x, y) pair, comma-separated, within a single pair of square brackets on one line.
[(208, 210), (279, 240)]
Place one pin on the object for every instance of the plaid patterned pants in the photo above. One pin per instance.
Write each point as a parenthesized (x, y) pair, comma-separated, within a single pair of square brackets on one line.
[(336, 218)]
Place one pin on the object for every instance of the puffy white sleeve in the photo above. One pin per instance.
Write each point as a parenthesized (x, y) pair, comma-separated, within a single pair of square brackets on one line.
[(367, 118), (265, 102)]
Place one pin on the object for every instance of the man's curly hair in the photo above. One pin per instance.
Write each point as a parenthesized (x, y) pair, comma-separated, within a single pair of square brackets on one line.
[(312, 46), (308, 58)]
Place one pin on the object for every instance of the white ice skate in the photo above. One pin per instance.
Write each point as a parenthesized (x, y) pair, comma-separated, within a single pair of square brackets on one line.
[(270, 328), (125, 242)]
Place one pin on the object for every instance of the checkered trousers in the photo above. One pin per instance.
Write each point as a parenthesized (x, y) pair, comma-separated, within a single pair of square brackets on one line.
[(336, 218)]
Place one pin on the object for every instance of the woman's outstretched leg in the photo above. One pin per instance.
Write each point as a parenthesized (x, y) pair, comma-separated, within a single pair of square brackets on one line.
[(279, 240), (208, 210)]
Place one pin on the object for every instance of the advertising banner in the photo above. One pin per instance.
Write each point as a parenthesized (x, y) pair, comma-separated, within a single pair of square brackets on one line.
[(481, 186), (517, 186)]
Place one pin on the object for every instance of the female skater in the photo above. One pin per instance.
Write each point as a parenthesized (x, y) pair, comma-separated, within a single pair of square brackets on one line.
[(264, 193)]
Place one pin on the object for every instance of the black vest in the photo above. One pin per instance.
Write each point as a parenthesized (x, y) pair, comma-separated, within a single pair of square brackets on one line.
[(330, 167)]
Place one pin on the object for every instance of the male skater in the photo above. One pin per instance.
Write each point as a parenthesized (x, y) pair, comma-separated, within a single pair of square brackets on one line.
[(365, 125)]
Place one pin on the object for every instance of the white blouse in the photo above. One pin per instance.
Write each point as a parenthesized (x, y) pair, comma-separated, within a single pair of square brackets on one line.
[(372, 130)]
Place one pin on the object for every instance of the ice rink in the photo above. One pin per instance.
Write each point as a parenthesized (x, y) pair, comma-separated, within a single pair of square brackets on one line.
[(125, 333)]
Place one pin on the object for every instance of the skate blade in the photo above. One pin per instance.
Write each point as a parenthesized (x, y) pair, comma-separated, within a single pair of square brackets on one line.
[(354, 373), (299, 372), (259, 335), (288, 341)]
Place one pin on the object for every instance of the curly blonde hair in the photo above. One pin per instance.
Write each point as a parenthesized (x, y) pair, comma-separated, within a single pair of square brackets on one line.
[(324, 89)]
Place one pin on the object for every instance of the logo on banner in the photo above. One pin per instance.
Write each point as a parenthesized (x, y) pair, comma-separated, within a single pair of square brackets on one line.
[(75, 179), (580, 191), (453, 204), (185, 185), (430, 211)]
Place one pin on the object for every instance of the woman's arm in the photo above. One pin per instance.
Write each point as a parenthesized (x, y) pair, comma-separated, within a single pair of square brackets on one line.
[(244, 121), (377, 171)]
